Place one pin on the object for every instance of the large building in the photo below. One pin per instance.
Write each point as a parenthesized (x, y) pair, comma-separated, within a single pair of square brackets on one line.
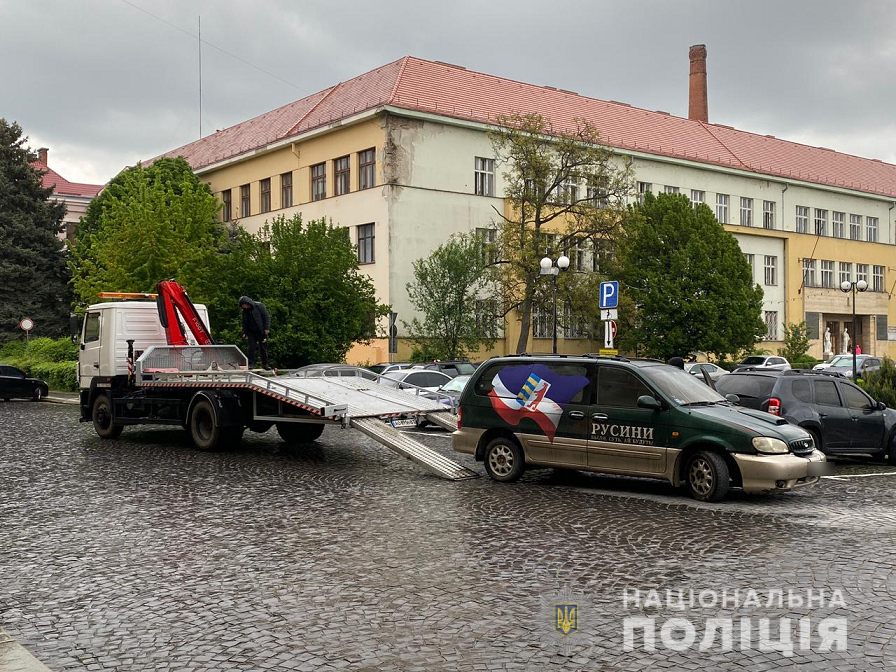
[(75, 195), (400, 156)]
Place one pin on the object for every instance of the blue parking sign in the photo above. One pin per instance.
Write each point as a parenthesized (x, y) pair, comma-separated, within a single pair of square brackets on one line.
[(609, 294)]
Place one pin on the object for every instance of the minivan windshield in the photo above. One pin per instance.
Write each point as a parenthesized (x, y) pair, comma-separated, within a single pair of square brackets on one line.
[(682, 388)]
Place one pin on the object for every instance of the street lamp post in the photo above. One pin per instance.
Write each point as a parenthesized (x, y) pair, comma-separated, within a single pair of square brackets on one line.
[(548, 268), (853, 286)]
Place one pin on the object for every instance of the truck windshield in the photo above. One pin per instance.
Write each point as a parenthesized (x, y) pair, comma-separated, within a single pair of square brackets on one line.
[(681, 387)]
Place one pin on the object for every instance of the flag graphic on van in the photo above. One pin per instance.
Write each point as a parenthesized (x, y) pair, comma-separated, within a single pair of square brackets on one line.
[(533, 391)]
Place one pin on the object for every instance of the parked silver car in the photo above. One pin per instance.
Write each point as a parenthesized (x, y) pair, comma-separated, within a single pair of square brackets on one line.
[(697, 369), (764, 362)]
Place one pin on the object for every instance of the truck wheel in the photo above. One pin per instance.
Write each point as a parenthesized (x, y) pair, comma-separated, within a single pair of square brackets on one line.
[(504, 460), (102, 418), (706, 476), (297, 433), (206, 434)]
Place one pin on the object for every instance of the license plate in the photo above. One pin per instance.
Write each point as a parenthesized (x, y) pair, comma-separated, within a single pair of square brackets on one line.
[(404, 422), (821, 468)]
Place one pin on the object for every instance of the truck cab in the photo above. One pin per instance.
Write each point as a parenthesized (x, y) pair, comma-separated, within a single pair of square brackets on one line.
[(105, 332)]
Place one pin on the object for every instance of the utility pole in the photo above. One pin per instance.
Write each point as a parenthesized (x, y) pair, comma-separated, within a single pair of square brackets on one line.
[(200, 76)]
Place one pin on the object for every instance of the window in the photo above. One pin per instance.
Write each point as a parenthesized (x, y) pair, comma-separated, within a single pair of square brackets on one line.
[(771, 325), (722, 208), (601, 255), (802, 219), (827, 273), (809, 272), (751, 259), (643, 188), (871, 229), (821, 222), (245, 202), (771, 270), (878, 279), (484, 175), (697, 197), (487, 240), (746, 211), (318, 181), (597, 192), (365, 244), (845, 272), (826, 393), (855, 398), (286, 190), (568, 193), (367, 169), (862, 272), (227, 210), (574, 249), (669, 189), (542, 322), (620, 388), (768, 214), (92, 328), (800, 389), (855, 227), (342, 174), (573, 325), (837, 221), (266, 195)]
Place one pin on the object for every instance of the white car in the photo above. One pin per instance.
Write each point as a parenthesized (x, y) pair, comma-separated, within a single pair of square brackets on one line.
[(767, 362), (429, 380), (697, 369), (836, 360)]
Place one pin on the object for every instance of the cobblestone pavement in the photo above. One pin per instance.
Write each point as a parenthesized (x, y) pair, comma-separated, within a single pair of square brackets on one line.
[(143, 554)]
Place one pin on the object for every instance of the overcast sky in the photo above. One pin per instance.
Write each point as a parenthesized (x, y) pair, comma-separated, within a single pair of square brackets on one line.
[(104, 84)]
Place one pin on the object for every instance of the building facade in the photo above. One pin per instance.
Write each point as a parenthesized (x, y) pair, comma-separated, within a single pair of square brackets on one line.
[(400, 156), (75, 195)]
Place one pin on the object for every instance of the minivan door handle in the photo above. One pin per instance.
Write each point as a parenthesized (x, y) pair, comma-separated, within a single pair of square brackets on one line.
[(600, 416), (577, 415)]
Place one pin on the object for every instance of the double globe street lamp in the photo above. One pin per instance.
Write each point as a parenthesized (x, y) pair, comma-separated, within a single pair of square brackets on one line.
[(548, 268), (854, 286)]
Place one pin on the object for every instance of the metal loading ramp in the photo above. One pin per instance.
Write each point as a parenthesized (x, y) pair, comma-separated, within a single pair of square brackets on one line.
[(415, 451), (445, 420)]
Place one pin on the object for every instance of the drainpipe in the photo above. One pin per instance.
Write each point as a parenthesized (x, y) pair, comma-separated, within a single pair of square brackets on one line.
[(786, 252)]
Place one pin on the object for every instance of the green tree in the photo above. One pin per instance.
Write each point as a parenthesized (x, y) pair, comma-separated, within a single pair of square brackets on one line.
[(565, 194), (308, 277), (685, 281), (796, 341), (33, 272), (881, 384), (151, 223), (448, 291)]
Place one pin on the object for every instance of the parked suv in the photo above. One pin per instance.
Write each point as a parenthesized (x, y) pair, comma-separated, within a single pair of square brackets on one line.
[(773, 363), (630, 417), (841, 417)]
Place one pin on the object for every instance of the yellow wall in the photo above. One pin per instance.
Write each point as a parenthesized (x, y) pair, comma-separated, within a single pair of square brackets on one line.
[(298, 159)]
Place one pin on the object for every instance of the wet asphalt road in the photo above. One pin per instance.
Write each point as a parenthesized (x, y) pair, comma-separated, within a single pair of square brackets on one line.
[(143, 554)]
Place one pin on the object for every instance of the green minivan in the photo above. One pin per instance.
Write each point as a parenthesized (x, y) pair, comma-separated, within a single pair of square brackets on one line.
[(628, 417)]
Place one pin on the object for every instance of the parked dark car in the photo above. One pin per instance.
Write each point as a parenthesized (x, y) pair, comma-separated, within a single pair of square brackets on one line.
[(841, 417), (14, 384), (452, 368)]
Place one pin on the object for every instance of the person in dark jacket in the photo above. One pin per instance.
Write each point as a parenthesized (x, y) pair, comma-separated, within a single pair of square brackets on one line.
[(256, 327)]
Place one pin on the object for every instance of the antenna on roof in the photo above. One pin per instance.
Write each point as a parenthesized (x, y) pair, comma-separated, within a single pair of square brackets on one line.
[(200, 76)]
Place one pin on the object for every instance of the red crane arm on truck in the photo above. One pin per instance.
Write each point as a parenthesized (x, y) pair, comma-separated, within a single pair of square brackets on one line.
[(172, 300)]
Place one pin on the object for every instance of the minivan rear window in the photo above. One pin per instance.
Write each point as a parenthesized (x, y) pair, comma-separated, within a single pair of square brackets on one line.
[(755, 387)]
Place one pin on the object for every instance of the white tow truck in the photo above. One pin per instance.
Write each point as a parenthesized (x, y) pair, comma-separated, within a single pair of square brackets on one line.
[(137, 366)]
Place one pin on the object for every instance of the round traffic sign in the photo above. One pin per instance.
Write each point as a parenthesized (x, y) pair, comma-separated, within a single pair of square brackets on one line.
[(613, 328), (27, 324)]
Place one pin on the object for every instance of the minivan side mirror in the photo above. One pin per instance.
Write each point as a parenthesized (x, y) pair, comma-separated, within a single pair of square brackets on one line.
[(881, 406), (646, 401), (733, 398)]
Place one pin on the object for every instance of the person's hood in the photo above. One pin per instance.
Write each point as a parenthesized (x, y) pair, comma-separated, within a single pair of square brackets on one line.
[(246, 299)]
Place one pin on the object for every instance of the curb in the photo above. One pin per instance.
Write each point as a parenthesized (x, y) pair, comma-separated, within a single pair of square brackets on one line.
[(60, 400), (15, 658)]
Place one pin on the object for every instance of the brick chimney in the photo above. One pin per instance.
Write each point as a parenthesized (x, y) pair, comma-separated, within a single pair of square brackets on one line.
[(42, 155), (698, 108)]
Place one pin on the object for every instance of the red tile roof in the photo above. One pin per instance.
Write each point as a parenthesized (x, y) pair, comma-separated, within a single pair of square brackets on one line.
[(448, 90), (62, 187)]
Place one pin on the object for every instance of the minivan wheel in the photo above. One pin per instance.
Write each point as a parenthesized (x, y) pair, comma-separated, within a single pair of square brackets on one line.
[(891, 452), (706, 476), (504, 460)]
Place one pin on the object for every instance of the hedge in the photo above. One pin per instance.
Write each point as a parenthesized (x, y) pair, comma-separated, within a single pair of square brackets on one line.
[(55, 361)]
